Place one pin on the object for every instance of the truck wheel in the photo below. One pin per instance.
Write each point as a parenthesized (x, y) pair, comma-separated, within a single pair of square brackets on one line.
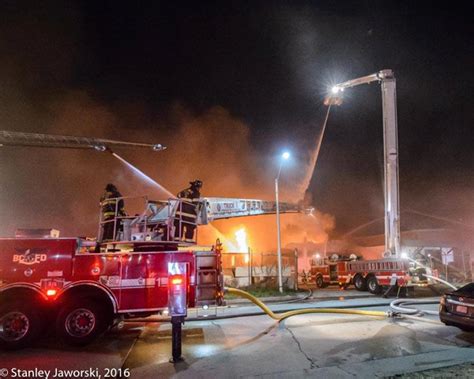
[(319, 281), (20, 325), (360, 283), (80, 322), (373, 285)]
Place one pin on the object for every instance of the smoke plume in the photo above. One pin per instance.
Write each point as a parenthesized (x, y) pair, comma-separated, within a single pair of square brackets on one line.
[(61, 188)]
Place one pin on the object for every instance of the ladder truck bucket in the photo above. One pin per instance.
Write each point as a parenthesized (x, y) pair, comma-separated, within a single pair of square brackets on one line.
[(332, 100)]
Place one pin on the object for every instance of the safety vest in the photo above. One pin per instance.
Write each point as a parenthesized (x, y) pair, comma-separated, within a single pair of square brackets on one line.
[(109, 203)]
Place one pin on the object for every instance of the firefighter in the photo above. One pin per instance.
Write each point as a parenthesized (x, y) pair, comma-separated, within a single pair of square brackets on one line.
[(109, 205), (186, 214)]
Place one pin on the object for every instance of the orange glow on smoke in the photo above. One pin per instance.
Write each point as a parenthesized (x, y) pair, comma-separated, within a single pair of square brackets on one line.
[(306, 233)]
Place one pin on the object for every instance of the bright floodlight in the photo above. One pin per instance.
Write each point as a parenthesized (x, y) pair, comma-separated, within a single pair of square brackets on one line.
[(158, 147), (285, 155), (100, 147), (335, 89), (404, 255)]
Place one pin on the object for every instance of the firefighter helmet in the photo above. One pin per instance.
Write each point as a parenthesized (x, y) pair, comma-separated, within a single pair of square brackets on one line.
[(197, 183), (110, 188)]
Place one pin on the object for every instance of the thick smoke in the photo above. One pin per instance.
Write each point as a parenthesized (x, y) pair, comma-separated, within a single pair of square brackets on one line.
[(61, 74), (41, 55), (61, 188)]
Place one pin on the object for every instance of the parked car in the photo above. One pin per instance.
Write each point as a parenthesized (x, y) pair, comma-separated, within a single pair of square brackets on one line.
[(457, 308)]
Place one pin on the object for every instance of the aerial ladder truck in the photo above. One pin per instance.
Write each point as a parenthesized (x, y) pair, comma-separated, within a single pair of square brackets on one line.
[(393, 270), (81, 286), (387, 81)]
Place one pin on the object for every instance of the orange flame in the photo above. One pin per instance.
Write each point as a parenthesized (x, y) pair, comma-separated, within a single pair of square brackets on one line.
[(241, 238), (243, 247)]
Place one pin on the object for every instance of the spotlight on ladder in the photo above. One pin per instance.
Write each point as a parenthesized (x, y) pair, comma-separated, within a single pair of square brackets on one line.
[(100, 147), (158, 147)]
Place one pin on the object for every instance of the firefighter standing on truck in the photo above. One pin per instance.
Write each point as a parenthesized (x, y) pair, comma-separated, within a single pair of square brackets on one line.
[(186, 214), (111, 209)]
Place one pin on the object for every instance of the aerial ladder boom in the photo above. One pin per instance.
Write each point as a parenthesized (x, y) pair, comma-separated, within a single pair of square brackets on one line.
[(157, 216), (218, 208), (8, 138), (215, 208), (160, 218), (390, 137)]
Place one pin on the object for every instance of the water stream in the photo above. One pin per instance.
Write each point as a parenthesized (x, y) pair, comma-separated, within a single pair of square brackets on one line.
[(314, 156), (143, 176)]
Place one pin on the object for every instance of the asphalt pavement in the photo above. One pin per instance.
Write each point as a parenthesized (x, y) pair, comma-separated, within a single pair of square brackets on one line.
[(315, 345)]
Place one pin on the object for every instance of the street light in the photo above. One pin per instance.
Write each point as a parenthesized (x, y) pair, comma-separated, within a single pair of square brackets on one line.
[(284, 157)]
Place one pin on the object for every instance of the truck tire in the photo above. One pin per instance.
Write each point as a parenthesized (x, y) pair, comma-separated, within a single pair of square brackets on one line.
[(81, 321), (319, 281), (373, 285), (20, 324), (360, 283)]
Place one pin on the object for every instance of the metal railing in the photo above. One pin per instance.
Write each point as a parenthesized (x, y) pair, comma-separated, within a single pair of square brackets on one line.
[(172, 226)]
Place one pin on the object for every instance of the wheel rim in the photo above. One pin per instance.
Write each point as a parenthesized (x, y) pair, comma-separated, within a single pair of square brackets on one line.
[(372, 284), (14, 326), (358, 282), (319, 281), (80, 322)]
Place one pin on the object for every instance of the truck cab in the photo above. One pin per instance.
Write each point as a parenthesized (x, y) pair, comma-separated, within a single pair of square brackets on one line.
[(82, 286)]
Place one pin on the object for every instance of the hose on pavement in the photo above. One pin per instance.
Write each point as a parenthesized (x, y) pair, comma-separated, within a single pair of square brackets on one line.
[(282, 316), (402, 306)]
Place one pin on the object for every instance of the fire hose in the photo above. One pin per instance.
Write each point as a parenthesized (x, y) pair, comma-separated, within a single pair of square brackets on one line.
[(402, 306), (441, 281), (282, 316)]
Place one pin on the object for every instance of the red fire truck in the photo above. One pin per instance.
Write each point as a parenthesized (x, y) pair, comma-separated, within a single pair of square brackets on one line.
[(80, 287), (371, 275)]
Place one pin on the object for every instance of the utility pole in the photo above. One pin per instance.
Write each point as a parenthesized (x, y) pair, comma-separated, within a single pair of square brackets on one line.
[(285, 156)]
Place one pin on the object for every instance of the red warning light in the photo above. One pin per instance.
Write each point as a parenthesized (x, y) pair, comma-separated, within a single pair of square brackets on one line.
[(51, 292)]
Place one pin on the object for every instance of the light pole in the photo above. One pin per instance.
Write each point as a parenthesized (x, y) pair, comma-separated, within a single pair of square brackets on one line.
[(284, 157)]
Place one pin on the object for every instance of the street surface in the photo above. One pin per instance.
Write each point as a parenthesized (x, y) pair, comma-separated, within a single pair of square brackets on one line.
[(316, 345)]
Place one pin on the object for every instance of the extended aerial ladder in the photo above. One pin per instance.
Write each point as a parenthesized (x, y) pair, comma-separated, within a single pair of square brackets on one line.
[(9, 138), (162, 220), (158, 221), (390, 139)]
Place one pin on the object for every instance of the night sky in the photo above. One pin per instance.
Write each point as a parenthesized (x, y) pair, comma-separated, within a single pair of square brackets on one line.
[(269, 64)]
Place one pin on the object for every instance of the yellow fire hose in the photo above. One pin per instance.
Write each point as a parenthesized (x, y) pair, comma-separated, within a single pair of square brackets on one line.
[(282, 316)]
